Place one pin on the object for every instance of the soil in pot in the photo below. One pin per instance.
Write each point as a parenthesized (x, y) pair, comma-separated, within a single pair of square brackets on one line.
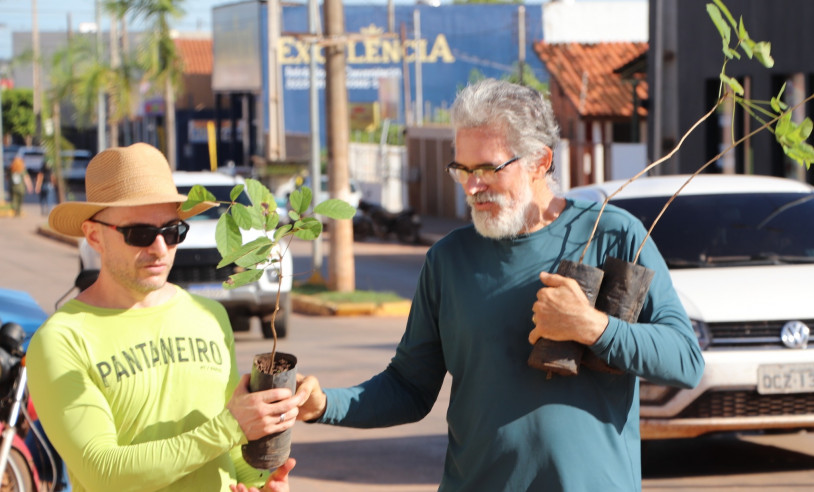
[(271, 451)]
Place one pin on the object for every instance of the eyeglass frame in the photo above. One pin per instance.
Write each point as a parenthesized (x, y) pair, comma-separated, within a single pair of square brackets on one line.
[(125, 230), (479, 171)]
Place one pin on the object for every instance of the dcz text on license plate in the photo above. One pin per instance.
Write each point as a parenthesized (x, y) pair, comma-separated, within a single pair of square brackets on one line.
[(785, 378)]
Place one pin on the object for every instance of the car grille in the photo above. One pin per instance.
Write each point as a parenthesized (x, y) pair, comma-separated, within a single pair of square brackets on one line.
[(748, 404), (198, 265), (753, 333)]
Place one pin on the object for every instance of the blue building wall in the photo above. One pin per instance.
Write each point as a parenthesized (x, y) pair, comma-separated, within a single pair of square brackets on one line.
[(459, 39)]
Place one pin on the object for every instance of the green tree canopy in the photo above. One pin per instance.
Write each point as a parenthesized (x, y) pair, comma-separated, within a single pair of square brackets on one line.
[(18, 113)]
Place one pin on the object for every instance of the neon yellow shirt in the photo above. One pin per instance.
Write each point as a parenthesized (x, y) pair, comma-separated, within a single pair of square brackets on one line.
[(135, 399)]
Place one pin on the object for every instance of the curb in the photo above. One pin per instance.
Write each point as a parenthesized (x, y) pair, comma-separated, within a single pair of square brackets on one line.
[(310, 305), (48, 232)]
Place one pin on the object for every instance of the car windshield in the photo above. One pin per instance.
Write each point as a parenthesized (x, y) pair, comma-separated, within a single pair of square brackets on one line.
[(730, 229), (221, 193)]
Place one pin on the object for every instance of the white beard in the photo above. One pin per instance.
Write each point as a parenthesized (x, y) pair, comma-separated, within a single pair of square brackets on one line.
[(512, 215)]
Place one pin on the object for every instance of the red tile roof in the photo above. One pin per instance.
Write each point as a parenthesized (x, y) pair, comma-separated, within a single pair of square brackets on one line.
[(585, 72), (196, 55)]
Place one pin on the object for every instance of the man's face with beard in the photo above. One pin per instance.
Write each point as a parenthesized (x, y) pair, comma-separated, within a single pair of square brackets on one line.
[(501, 202)]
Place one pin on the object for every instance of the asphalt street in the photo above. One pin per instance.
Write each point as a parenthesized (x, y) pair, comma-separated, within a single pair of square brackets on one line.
[(343, 351)]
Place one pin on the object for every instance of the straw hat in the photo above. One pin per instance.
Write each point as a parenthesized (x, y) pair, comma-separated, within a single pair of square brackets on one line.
[(122, 177)]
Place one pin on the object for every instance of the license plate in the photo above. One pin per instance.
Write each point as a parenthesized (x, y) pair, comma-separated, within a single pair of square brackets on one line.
[(785, 378), (212, 291)]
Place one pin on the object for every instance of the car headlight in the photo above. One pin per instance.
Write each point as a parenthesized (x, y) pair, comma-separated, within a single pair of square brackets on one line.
[(701, 333)]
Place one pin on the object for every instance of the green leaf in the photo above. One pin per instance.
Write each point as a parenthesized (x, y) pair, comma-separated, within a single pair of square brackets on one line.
[(197, 195), (242, 215), (236, 191), (747, 45), (733, 84), (805, 128), (227, 235), (255, 257), (783, 126), (243, 278), (282, 231), (777, 103), (294, 216), (726, 12), (300, 199), (723, 29), (763, 53), (335, 209), (271, 221), (247, 249), (742, 34), (258, 217), (308, 228), (260, 195)]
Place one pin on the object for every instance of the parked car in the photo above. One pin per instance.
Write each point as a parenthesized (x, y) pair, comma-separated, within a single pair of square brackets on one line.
[(75, 163), (9, 151), (196, 260), (32, 157), (19, 307), (741, 255)]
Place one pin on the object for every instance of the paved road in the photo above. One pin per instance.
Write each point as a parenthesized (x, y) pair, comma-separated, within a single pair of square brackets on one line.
[(409, 458)]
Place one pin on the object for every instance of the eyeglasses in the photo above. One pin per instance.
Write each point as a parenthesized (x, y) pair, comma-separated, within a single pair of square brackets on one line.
[(143, 235), (484, 172)]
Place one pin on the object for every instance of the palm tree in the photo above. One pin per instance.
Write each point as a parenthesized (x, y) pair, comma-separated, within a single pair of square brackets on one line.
[(161, 59), (65, 64)]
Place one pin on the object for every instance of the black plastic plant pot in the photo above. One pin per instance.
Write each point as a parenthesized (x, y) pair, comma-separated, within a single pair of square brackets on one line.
[(270, 452), (564, 358), (622, 296)]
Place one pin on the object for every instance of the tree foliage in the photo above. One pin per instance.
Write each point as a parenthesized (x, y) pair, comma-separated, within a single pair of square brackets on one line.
[(18, 114)]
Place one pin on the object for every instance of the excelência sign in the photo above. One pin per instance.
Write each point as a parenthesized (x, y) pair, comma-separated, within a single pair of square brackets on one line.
[(376, 48)]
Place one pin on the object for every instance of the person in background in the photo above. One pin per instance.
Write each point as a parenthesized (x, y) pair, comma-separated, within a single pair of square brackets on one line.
[(135, 380), (20, 184), (45, 186), (486, 291)]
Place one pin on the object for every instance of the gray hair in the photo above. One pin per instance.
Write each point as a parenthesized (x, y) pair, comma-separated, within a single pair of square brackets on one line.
[(523, 114)]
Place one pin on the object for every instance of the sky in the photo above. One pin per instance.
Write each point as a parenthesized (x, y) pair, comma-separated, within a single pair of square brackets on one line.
[(56, 15)]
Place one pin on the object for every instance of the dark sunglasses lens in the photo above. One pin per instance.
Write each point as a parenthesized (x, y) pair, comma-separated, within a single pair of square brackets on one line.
[(143, 236), (175, 234)]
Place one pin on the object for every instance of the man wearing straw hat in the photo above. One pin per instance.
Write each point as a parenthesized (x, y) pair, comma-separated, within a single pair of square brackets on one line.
[(135, 380)]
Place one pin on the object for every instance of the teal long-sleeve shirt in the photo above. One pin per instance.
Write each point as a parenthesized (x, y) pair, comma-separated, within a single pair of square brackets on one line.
[(511, 428)]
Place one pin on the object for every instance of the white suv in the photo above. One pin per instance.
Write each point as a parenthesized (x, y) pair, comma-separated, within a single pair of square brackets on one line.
[(196, 259), (741, 255)]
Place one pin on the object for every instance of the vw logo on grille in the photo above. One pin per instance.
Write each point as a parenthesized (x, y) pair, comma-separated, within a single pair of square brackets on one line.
[(795, 334)]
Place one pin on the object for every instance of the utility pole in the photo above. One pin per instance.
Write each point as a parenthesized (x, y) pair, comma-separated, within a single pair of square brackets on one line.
[(341, 267), (521, 42), (2, 149), (275, 140), (101, 117), (35, 41), (316, 177), (419, 89)]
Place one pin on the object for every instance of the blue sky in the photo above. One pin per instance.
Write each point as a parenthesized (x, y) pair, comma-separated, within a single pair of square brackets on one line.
[(15, 15)]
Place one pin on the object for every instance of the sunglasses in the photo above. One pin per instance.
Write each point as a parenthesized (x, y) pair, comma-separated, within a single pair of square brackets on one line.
[(143, 235), (484, 172)]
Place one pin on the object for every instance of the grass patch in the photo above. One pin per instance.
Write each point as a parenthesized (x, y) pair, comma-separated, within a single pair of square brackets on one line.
[(323, 293)]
